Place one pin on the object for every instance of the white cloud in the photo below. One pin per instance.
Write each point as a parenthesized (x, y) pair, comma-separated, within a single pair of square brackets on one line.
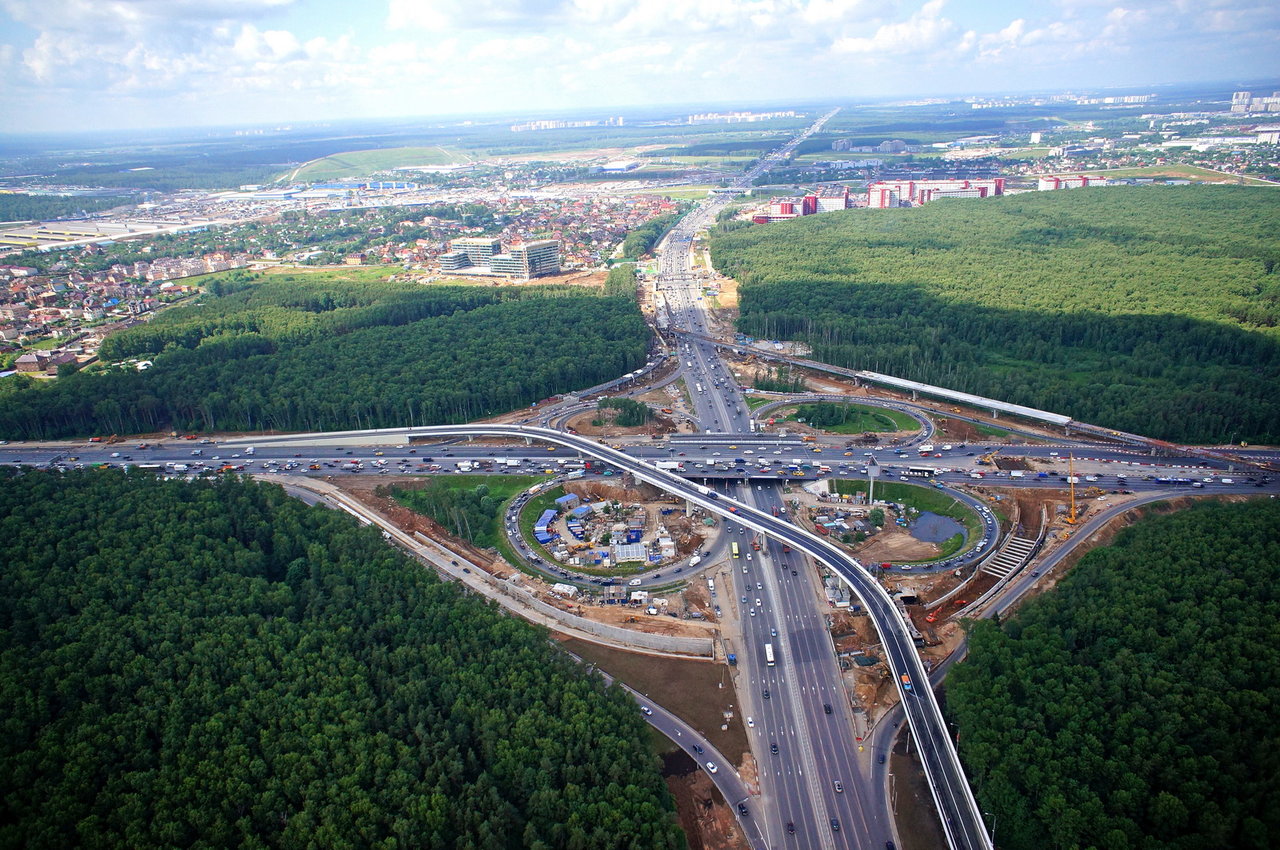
[(225, 57), (921, 33)]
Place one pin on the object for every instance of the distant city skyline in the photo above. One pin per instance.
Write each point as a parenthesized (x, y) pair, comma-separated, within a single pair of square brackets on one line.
[(112, 64)]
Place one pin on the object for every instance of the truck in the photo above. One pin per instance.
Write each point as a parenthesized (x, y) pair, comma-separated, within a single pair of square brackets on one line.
[(669, 465), (1016, 473), (926, 449), (694, 561), (809, 438), (464, 466), (906, 682), (250, 450)]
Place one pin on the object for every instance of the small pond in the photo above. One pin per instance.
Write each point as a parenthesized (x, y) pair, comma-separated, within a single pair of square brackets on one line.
[(934, 528)]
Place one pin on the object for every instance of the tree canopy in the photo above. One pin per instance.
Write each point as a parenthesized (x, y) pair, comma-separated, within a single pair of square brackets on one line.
[(292, 354), (214, 664), (1149, 309), (1133, 708)]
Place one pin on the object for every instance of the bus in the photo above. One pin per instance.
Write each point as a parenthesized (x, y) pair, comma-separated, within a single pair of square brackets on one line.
[(768, 655), (921, 471), (734, 548)]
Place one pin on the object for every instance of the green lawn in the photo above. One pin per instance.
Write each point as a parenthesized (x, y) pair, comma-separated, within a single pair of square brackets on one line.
[(350, 164), (864, 417), (754, 401), (1182, 172), (921, 498)]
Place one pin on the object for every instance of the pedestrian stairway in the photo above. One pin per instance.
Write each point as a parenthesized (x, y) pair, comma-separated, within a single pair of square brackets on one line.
[(1012, 555)]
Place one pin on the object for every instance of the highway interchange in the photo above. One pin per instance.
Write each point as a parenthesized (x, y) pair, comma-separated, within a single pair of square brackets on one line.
[(818, 786)]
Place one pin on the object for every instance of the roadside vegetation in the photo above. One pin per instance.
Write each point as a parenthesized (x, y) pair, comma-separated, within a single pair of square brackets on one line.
[(630, 413), (1134, 705), (645, 238), (1147, 309), (467, 506), (216, 664), (289, 353)]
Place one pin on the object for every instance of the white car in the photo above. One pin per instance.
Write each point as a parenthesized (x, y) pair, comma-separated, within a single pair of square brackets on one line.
[(751, 723), (711, 767)]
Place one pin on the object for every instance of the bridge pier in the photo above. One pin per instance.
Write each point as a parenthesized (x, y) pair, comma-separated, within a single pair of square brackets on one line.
[(995, 414), (688, 508)]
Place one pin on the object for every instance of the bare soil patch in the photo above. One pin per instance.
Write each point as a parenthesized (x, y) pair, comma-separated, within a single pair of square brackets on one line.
[(896, 546), (700, 692), (707, 819)]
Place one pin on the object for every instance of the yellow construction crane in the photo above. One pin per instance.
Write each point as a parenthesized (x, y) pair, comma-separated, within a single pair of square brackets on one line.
[(988, 458)]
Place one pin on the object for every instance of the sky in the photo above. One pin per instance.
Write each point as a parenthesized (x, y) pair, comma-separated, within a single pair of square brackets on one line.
[(108, 64)]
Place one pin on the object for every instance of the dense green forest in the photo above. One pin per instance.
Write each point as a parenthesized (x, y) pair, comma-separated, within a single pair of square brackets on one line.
[(1134, 707), (20, 207), (214, 664), (1150, 309), (289, 353)]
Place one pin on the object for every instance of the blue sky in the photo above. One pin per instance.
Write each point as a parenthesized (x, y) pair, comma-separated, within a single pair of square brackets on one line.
[(89, 64)]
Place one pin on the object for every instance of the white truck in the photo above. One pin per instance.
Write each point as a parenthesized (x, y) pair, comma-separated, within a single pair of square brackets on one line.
[(926, 449), (695, 560), (669, 465), (464, 465)]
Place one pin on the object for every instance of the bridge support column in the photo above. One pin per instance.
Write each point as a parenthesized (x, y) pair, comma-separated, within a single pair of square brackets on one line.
[(528, 441), (915, 396), (688, 508), (995, 414)]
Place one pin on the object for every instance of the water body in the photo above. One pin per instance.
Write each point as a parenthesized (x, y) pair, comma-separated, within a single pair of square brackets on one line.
[(934, 528)]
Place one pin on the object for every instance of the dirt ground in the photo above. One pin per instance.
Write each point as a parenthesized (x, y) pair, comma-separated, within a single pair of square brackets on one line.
[(916, 816), (708, 821), (582, 424), (699, 692), (636, 620), (896, 545)]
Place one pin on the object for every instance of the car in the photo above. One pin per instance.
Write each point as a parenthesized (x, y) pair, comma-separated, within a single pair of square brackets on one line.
[(889, 845), (773, 632), (753, 612), (794, 573), (744, 599), (742, 809), (826, 708), (646, 710), (711, 767), (766, 693), (759, 586), (839, 786), (758, 602), (751, 723), (773, 748), (697, 749), (880, 759), (791, 828), (835, 824)]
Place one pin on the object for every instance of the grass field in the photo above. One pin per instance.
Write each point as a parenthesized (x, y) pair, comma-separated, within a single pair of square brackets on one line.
[(1181, 172), (867, 418), (754, 401), (922, 499), (694, 192), (350, 164), (501, 487)]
